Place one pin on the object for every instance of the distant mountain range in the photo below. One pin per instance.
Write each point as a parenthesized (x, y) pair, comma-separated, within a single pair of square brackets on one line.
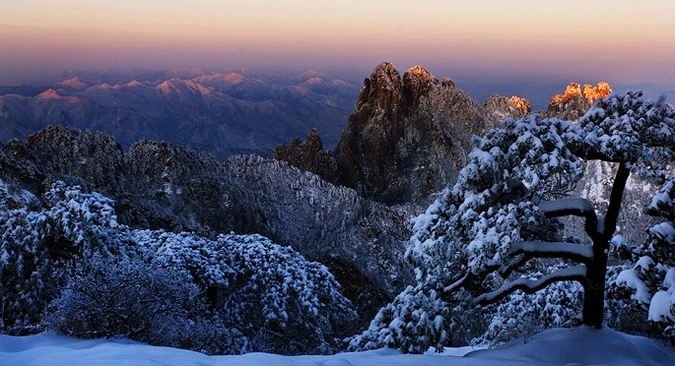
[(221, 113)]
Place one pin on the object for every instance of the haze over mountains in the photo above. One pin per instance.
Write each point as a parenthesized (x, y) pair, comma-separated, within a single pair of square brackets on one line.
[(221, 113), (217, 113)]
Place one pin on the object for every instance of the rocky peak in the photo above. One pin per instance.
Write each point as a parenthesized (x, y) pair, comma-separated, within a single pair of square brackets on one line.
[(417, 82), (49, 94), (576, 100), (599, 91), (73, 84), (381, 93), (498, 107), (313, 140), (407, 138), (415, 152)]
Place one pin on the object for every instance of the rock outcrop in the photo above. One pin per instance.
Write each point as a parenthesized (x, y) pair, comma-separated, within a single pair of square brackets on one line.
[(407, 137), (576, 100), (498, 107), (309, 155), (417, 83), (367, 146)]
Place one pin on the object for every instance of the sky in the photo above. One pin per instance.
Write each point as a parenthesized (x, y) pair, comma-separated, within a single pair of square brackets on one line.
[(530, 40)]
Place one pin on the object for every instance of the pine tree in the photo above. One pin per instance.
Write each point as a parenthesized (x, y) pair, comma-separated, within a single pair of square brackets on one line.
[(495, 232)]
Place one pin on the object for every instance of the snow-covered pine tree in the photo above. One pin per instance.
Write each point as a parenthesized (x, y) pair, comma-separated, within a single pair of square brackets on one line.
[(493, 233), (461, 237), (648, 285)]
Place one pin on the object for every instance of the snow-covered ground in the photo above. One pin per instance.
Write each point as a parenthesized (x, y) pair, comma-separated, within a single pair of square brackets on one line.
[(554, 347)]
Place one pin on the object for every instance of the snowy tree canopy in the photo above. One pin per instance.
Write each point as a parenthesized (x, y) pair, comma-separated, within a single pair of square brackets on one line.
[(235, 294), (648, 285), (499, 217)]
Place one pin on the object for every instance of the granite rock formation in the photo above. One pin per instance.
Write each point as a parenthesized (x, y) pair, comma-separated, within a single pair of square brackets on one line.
[(407, 138), (576, 100)]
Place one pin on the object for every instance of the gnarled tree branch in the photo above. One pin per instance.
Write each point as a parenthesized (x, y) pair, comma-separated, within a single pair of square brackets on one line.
[(576, 273)]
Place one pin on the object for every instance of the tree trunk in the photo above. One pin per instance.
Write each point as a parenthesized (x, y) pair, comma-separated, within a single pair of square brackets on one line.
[(594, 288)]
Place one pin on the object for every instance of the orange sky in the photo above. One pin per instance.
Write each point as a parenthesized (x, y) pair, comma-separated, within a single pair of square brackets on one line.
[(629, 42)]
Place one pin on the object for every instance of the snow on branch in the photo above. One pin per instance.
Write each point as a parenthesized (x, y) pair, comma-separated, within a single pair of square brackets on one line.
[(568, 206), (529, 286), (543, 249), (575, 206)]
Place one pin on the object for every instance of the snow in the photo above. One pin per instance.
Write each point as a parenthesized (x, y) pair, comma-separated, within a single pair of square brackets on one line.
[(529, 283), (631, 279), (555, 346), (577, 206), (659, 308), (662, 307), (553, 249)]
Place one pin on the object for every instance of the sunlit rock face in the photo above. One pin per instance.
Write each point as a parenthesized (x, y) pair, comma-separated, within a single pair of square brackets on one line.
[(381, 94), (498, 107), (576, 100), (417, 83)]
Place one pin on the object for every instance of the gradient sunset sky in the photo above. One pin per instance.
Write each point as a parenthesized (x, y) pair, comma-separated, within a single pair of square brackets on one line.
[(613, 40)]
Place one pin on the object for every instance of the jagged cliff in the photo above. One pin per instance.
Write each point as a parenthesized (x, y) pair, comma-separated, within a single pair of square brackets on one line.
[(406, 139), (408, 136), (309, 155)]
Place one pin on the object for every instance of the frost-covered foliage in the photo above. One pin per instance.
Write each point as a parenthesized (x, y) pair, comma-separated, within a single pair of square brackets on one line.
[(471, 226), (487, 209), (631, 129), (649, 284), (113, 296), (281, 302), (71, 259), (467, 236), (525, 315), (38, 247), (159, 186)]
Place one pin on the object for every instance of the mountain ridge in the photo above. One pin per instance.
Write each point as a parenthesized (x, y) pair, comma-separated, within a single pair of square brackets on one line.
[(408, 137), (221, 114)]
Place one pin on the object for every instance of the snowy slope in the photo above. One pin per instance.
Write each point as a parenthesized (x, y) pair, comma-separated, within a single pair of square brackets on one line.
[(554, 347)]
